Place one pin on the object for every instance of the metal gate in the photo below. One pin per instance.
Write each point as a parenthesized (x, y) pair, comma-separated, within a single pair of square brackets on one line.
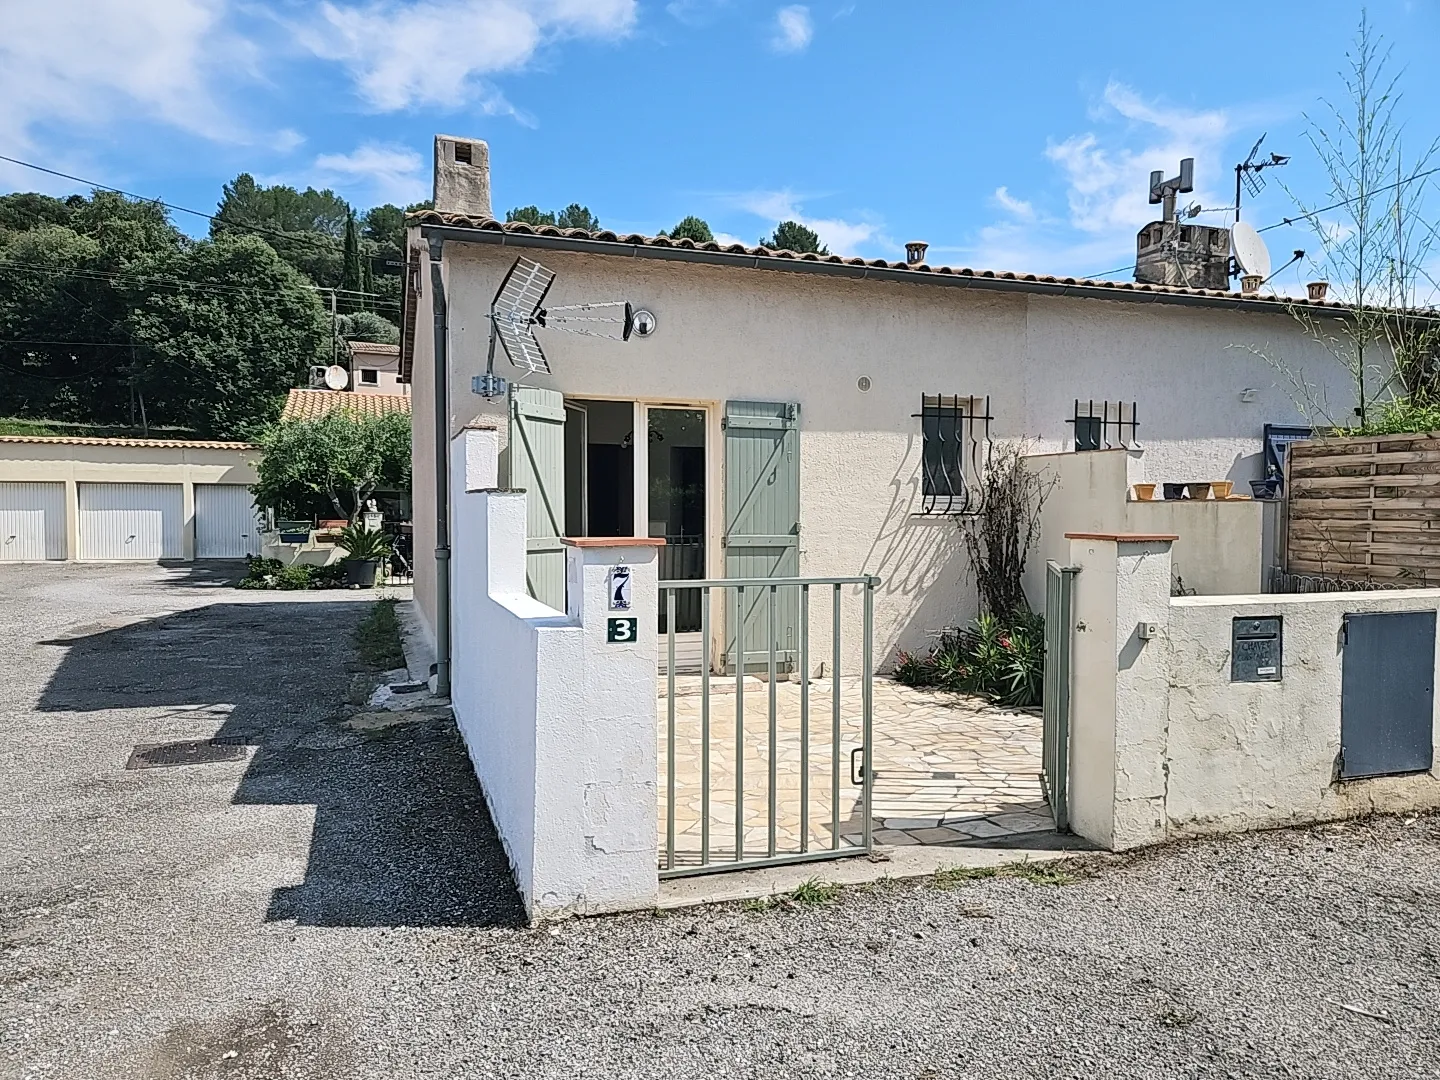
[(1055, 744), (718, 814), (1387, 693)]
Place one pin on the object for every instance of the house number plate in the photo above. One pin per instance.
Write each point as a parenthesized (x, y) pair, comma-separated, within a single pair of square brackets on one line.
[(621, 631)]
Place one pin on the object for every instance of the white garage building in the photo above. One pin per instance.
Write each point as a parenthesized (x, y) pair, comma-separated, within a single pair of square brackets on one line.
[(114, 499)]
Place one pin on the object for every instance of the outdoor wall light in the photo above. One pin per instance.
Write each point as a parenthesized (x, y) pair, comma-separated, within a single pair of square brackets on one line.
[(1248, 394)]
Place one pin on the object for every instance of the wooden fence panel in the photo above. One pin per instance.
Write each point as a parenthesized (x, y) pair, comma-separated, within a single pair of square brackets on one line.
[(1365, 508)]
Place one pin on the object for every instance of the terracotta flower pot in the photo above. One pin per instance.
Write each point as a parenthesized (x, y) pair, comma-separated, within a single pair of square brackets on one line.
[(1199, 491), (1145, 492), (1222, 488)]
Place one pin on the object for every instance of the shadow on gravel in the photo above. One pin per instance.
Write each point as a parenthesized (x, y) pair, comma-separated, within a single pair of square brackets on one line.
[(402, 836), (207, 574)]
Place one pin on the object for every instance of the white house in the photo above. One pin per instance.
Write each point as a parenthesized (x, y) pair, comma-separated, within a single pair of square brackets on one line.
[(809, 415)]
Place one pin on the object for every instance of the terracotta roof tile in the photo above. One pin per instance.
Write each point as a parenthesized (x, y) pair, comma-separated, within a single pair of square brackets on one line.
[(375, 348), (313, 404), (78, 440), (520, 228)]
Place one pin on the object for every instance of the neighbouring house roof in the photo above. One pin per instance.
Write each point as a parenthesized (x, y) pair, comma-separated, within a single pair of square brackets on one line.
[(79, 440), (313, 404), (374, 347), (605, 242)]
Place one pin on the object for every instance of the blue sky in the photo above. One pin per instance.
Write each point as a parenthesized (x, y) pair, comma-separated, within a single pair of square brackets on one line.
[(1008, 136)]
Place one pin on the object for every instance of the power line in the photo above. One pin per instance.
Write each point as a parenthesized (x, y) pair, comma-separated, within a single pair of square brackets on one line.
[(141, 277), (308, 237)]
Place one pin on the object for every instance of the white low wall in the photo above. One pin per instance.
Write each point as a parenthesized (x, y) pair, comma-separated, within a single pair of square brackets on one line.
[(1245, 755), (1164, 745), (1221, 546), (560, 725)]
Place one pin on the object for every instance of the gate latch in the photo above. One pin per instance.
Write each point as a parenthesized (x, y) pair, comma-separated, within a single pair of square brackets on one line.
[(857, 767)]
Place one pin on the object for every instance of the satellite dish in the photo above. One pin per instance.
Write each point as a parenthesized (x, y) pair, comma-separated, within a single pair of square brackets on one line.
[(336, 377), (1250, 251)]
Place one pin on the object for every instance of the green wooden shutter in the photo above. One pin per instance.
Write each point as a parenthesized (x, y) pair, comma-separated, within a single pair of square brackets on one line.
[(537, 464), (762, 523)]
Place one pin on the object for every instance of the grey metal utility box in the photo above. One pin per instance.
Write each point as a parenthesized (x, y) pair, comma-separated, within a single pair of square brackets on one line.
[(1256, 649)]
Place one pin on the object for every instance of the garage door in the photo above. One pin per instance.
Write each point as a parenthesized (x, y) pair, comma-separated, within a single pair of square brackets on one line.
[(131, 521), (32, 522), (225, 522)]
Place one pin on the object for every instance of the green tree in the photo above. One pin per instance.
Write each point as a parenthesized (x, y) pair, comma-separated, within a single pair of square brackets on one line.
[(352, 274), (305, 227), (338, 460), (692, 228), (573, 216), (792, 236), (65, 348), (531, 215), (24, 210), (576, 216), (367, 326), (220, 350)]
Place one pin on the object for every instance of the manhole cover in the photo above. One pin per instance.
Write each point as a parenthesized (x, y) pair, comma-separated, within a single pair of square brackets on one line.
[(190, 752)]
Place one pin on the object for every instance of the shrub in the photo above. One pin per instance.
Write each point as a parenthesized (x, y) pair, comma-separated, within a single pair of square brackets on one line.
[(1002, 659), (273, 574)]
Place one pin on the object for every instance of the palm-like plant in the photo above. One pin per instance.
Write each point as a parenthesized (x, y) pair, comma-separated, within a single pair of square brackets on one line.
[(362, 544)]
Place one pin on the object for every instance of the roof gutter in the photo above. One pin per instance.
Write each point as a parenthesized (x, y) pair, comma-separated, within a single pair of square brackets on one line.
[(982, 282)]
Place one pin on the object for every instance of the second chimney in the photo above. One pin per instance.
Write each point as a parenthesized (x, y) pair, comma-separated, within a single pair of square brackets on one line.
[(915, 252), (462, 176)]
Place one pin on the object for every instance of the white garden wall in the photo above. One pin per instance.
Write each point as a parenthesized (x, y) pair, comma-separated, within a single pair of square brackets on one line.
[(1165, 745), (559, 724)]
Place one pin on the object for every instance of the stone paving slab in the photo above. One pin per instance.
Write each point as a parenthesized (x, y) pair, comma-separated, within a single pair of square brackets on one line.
[(949, 768)]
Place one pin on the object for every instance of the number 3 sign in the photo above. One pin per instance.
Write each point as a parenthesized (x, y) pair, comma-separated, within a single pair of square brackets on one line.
[(620, 631)]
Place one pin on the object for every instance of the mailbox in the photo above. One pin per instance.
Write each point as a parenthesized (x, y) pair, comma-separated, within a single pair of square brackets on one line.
[(1255, 649)]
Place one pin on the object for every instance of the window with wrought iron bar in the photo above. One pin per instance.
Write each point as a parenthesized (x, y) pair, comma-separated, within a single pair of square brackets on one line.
[(1105, 425), (956, 448)]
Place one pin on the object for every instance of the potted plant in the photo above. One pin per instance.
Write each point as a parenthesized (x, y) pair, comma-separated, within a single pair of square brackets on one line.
[(364, 549)]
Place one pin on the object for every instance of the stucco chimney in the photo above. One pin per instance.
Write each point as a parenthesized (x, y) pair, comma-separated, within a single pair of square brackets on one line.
[(462, 176)]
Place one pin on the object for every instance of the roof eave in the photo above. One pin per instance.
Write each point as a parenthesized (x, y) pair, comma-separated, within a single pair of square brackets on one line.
[(1138, 294)]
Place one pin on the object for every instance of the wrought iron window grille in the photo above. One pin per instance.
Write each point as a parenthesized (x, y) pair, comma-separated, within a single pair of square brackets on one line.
[(1105, 425), (955, 452)]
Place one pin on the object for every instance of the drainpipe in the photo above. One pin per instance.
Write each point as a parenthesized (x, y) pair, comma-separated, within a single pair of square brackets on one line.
[(442, 475)]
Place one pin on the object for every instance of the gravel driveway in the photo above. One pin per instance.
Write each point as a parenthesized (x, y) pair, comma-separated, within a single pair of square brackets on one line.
[(332, 903)]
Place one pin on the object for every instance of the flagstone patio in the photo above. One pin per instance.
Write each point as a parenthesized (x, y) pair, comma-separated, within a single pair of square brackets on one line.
[(948, 768)]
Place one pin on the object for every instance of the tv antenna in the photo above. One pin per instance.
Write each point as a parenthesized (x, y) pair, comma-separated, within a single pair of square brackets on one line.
[(1249, 172), (519, 307)]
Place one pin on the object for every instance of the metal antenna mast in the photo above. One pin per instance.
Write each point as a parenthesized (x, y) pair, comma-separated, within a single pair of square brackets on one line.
[(1248, 172)]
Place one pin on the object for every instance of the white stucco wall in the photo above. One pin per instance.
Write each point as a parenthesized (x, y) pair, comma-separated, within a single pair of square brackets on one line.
[(1220, 547), (726, 333), (1254, 755), (1164, 745), (558, 723)]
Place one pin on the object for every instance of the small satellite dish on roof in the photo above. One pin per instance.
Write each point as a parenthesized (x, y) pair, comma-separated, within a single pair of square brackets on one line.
[(336, 377), (1250, 250)]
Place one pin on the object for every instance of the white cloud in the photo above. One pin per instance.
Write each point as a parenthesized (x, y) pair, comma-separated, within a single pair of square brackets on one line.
[(1105, 173), (726, 239), (442, 52), (390, 174), (695, 12), (793, 29), (86, 63), (1019, 208), (842, 237)]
